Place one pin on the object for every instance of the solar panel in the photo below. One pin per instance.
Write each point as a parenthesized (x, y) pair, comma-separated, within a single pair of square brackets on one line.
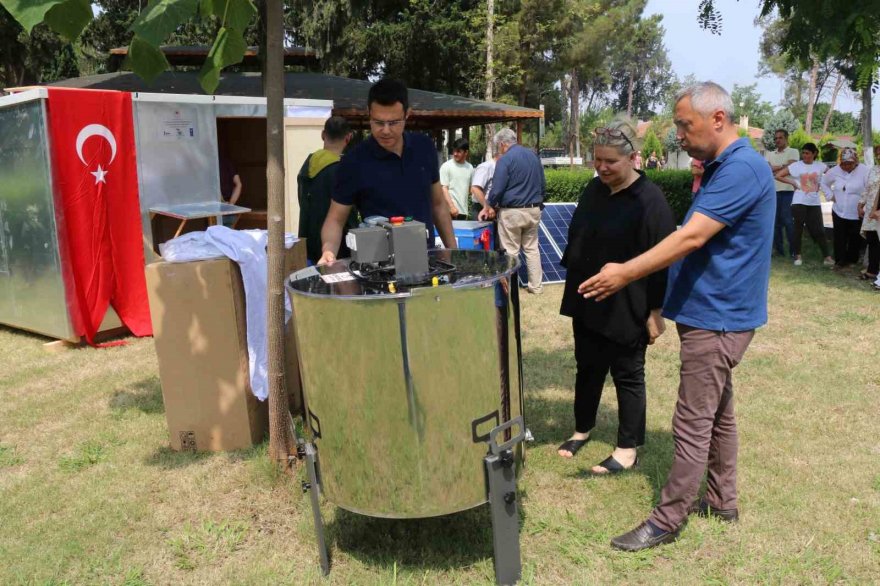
[(552, 240)]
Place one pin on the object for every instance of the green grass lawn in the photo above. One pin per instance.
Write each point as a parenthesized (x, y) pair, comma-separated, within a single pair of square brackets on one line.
[(90, 493)]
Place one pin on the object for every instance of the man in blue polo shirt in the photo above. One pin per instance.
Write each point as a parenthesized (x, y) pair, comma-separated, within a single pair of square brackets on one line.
[(392, 173), (518, 188), (717, 295)]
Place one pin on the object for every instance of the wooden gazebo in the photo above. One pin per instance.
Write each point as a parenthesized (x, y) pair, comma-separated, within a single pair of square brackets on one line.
[(431, 111)]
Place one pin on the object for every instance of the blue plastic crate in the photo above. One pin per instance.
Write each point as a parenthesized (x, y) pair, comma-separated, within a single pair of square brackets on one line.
[(469, 234)]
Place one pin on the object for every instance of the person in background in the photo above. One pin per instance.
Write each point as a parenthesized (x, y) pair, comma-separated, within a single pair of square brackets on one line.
[(778, 160), (230, 181), (481, 187), (315, 183), (806, 209), (697, 172), (637, 162), (518, 189), (844, 184), (455, 179), (392, 173), (870, 228), (653, 162), (620, 215), (230, 187), (717, 295)]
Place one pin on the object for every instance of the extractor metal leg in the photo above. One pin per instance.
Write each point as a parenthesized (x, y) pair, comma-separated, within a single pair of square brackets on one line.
[(501, 483), (505, 517), (313, 487)]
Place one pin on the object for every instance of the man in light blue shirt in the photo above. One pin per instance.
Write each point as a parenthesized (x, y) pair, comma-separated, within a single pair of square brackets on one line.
[(717, 295)]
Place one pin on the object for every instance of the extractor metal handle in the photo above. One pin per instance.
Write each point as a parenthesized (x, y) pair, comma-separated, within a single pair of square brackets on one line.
[(495, 447), (313, 419), (493, 416)]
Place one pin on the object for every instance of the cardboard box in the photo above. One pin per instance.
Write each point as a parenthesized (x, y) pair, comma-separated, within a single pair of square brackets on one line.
[(198, 314)]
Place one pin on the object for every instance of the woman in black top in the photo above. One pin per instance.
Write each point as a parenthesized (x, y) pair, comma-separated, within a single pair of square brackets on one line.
[(620, 215)]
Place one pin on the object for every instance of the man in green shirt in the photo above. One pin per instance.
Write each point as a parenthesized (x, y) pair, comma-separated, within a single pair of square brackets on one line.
[(316, 181), (455, 179), (779, 159)]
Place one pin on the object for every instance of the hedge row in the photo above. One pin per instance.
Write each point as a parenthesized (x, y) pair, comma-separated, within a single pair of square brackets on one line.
[(564, 185)]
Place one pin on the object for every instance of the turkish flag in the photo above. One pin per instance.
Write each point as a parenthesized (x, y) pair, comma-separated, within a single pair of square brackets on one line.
[(97, 207)]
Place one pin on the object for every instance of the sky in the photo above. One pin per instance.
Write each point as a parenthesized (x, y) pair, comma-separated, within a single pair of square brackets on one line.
[(731, 57)]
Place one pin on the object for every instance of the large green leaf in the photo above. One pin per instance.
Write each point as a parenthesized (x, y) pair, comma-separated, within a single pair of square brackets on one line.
[(234, 14), (228, 49), (69, 18), (146, 59), (29, 13), (162, 17)]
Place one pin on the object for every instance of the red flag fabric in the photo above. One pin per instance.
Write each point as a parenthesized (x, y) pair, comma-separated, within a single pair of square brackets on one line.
[(98, 209)]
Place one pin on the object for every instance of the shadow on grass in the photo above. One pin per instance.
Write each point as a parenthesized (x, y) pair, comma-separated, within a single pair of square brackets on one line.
[(144, 395), (551, 420), (438, 543), (168, 459)]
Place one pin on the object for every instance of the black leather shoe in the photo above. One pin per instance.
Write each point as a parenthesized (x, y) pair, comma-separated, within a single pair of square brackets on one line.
[(702, 509), (645, 536)]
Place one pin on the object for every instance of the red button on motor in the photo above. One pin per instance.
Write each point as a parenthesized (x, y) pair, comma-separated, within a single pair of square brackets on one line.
[(397, 220)]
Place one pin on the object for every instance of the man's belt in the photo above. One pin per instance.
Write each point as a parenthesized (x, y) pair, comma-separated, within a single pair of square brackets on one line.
[(528, 205)]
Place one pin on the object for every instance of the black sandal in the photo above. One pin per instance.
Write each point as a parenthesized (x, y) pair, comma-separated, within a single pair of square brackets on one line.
[(613, 466), (572, 446)]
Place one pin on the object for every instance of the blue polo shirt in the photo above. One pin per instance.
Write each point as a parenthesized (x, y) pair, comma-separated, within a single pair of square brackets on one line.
[(723, 285), (379, 183), (518, 180)]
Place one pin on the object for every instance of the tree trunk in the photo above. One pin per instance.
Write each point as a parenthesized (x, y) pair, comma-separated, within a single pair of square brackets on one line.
[(281, 444), (867, 136), (262, 31), (629, 95), (490, 73), (574, 146), (811, 100), (565, 113), (837, 86)]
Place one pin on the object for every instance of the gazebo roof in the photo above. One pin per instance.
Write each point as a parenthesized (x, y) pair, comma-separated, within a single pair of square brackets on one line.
[(195, 55), (430, 110)]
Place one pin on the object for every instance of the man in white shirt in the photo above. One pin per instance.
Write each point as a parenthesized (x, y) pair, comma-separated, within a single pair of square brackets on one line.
[(481, 187), (779, 159), (455, 179)]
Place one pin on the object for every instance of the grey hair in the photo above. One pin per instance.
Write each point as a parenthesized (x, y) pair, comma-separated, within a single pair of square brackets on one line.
[(707, 97), (625, 126), (505, 136)]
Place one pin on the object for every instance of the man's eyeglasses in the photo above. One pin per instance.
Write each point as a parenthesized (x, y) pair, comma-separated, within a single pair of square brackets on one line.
[(380, 124), (613, 134)]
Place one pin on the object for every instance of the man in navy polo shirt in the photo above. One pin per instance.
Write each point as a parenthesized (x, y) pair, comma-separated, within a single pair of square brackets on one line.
[(717, 295), (392, 173)]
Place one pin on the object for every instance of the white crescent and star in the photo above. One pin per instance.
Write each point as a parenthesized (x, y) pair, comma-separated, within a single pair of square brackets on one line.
[(104, 132)]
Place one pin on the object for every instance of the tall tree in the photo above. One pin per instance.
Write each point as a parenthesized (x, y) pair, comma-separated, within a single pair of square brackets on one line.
[(747, 102), (813, 95), (838, 85), (490, 72), (847, 32), (641, 72), (38, 56), (433, 45)]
